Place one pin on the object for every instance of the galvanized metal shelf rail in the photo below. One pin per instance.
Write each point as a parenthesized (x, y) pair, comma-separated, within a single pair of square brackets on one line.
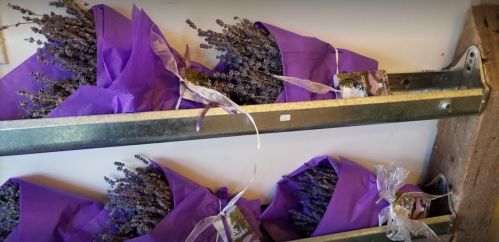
[(455, 91)]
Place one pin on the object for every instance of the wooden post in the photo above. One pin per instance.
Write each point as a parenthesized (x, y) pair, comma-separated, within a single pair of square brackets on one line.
[(485, 2), (466, 149)]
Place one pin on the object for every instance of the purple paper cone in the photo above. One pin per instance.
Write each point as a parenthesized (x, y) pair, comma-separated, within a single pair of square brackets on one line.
[(131, 78), (352, 206), (48, 214), (312, 59)]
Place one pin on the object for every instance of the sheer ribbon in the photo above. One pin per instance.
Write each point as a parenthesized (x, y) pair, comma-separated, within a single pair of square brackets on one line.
[(217, 220), (203, 95), (397, 215)]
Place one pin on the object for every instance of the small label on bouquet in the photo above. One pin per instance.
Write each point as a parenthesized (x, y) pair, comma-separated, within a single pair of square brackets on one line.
[(239, 227), (418, 209), (363, 84)]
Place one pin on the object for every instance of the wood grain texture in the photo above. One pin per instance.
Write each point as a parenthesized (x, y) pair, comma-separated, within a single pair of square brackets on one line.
[(466, 149), (485, 2)]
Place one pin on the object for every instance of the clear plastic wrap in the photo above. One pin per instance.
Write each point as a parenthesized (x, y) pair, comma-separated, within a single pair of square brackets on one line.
[(400, 215)]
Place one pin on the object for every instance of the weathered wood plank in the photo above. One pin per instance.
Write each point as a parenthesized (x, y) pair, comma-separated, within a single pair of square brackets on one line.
[(466, 149), (485, 2)]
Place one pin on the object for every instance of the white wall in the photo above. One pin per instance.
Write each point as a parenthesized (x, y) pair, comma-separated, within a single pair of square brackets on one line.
[(404, 36)]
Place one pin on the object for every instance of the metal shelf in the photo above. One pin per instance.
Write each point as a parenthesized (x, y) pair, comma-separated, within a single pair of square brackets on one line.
[(455, 91)]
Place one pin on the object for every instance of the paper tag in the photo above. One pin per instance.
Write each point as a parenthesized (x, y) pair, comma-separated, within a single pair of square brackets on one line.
[(417, 210), (239, 227), (352, 92), (420, 209), (363, 84)]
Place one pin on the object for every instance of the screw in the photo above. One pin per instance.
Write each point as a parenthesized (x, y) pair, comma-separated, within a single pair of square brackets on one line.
[(446, 105)]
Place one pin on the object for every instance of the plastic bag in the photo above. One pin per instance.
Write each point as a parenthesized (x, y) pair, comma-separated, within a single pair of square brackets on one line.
[(401, 211)]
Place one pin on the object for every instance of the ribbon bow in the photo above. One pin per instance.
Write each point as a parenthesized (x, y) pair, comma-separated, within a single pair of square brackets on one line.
[(216, 220), (203, 95), (397, 215)]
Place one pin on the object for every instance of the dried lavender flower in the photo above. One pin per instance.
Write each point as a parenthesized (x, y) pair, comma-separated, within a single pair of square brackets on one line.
[(72, 44), (317, 186), (9, 208), (253, 57), (138, 202)]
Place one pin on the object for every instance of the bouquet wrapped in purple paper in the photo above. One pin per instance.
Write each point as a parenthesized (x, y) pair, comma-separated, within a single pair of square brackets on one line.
[(154, 203), (99, 63), (266, 64), (37, 213), (325, 197)]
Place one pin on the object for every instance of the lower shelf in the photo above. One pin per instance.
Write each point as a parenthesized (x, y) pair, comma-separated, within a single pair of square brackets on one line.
[(440, 225)]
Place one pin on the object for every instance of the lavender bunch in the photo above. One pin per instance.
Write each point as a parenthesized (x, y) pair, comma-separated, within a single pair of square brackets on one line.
[(9, 208), (253, 57), (71, 43), (138, 202), (316, 185)]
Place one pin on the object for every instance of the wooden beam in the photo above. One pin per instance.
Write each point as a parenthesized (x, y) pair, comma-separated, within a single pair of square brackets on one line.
[(466, 149), (485, 2)]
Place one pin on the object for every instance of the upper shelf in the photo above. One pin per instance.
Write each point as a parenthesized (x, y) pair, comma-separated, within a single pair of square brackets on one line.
[(455, 91)]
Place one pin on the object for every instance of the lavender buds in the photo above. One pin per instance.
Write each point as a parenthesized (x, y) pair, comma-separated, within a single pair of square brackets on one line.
[(252, 55), (71, 43), (9, 208), (138, 202), (316, 185)]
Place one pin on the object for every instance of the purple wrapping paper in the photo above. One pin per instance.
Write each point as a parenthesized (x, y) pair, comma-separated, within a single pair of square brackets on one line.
[(352, 206), (130, 77), (48, 214), (20, 79), (192, 203), (312, 59)]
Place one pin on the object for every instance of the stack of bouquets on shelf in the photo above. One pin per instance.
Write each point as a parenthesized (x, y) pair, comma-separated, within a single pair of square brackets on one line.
[(153, 203), (100, 62), (149, 203)]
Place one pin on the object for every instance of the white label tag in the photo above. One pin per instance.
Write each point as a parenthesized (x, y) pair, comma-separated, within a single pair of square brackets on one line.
[(285, 117), (240, 228)]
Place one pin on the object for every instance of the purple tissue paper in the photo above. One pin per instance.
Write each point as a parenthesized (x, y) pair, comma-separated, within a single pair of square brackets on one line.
[(48, 214), (312, 59), (353, 204), (130, 77)]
